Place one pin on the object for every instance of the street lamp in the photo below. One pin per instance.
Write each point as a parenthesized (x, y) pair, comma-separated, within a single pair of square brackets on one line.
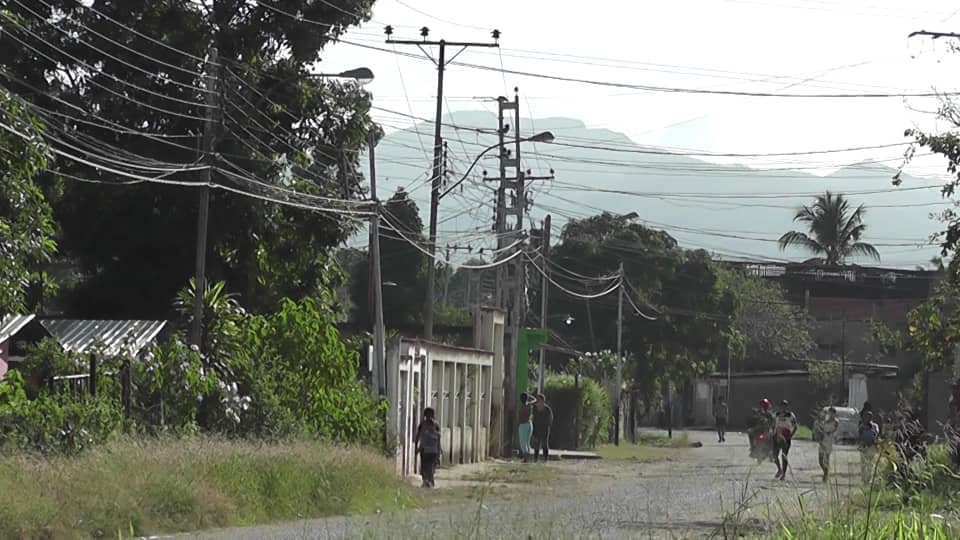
[(543, 136), (361, 75)]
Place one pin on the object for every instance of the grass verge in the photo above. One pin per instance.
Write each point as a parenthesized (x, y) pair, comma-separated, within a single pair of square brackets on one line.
[(679, 440), (638, 453), (146, 487)]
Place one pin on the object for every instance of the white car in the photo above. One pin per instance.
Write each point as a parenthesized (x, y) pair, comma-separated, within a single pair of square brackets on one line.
[(849, 423)]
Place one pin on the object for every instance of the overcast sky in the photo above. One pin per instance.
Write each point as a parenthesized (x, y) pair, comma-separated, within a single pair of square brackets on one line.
[(773, 46)]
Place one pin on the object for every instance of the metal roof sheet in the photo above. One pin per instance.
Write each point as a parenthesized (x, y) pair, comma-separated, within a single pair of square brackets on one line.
[(109, 337), (11, 324)]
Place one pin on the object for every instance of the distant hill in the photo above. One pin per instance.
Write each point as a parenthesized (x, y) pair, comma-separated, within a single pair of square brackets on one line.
[(700, 203)]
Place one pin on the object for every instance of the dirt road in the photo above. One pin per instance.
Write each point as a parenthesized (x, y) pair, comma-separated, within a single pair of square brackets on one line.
[(686, 497)]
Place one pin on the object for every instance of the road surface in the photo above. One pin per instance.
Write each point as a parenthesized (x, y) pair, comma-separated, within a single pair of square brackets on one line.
[(695, 495)]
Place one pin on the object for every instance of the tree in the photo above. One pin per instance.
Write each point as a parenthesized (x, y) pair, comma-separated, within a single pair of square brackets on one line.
[(402, 268), (26, 220), (681, 290), (835, 230), (125, 85), (776, 332)]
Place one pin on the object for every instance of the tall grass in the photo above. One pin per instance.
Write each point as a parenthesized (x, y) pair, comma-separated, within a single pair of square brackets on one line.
[(145, 487)]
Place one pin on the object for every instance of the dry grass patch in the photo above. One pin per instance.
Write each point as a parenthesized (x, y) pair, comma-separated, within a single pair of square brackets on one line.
[(145, 487)]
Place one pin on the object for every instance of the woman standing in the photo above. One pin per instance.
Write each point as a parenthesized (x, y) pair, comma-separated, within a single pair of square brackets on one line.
[(525, 426)]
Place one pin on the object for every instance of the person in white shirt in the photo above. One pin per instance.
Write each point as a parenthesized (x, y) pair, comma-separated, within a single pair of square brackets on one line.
[(785, 427), (829, 425)]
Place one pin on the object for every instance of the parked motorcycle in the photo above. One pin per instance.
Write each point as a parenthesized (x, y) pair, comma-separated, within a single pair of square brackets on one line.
[(761, 446)]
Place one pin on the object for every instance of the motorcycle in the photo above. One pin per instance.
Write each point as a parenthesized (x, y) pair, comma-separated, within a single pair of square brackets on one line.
[(761, 447)]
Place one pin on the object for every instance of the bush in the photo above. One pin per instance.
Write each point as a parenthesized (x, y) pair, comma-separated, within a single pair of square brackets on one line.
[(596, 414), (49, 424), (302, 375)]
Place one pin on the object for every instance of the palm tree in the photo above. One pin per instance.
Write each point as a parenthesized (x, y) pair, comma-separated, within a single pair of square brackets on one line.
[(834, 230)]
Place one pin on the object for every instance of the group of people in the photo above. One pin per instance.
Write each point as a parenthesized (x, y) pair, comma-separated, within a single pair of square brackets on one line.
[(535, 420), (776, 428), (780, 426)]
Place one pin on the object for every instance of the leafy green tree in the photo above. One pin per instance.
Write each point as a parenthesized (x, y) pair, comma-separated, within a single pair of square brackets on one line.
[(776, 332), (835, 229), (26, 220), (127, 81), (402, 267), (681, 291), (302, 375)]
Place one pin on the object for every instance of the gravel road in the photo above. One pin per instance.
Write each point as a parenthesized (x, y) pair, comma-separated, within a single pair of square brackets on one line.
[(686, 497)]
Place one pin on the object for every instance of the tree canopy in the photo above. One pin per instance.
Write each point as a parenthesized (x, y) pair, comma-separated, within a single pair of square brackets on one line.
[(402, 267), (682, 291), (776, 332), (26, 221), (128, 86), (834, 230)]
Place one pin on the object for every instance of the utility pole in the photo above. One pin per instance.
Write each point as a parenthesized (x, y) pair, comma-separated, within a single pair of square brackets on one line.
[(203, 214), (616, 409), (843, 354), (544, 292), (446, 278), (379, 366), (441, 62), (511, 201)]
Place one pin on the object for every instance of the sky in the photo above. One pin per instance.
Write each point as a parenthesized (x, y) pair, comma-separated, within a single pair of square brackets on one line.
[(768, 46)]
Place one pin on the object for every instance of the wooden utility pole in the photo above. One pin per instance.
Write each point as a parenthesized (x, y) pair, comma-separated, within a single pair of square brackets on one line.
[(441, 62), (544, 292), (619, 367), (203, 214), (379, 345)]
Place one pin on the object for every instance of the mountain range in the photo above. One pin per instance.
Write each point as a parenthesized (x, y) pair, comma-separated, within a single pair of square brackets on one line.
[(734, 210)]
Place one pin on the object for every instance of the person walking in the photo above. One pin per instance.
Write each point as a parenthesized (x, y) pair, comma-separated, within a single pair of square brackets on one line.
[(785, 428), (869, 433), (721, 418), (542, 421), (829, 425), (525, 426), (427, 441)]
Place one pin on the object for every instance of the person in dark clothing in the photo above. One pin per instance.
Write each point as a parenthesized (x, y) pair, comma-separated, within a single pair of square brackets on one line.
[(721, 418), (427, 441), (542, 421)]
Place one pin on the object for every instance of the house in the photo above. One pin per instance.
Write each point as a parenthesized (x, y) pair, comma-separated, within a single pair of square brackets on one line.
[(103, 338), (16, 332)]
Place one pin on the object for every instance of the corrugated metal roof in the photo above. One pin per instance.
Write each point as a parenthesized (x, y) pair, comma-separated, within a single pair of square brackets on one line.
[(109, 337), (11, 324)]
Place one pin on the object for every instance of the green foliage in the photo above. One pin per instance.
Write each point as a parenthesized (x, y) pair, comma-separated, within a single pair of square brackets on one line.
[(683, 290), (50, 424), (26, 219), (279, 127), (300, 370), (567, 397), (774, 330), (402, 269), (824, 375), (835, 230)]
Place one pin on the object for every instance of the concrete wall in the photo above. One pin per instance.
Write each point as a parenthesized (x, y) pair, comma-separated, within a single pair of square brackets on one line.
[(463, 385)]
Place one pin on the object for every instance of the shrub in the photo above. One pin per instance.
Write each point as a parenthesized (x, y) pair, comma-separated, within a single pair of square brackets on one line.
[(49, 424), (564, 394), (302, 375)]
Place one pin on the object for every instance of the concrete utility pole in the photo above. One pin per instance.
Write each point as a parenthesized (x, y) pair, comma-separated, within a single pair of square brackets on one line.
[(510, 280), (379, 345), (544, 292), (618, 397), (211, 123), (441, 62)]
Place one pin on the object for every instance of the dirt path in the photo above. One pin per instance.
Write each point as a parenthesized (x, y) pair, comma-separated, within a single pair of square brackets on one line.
[(686, 497)]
